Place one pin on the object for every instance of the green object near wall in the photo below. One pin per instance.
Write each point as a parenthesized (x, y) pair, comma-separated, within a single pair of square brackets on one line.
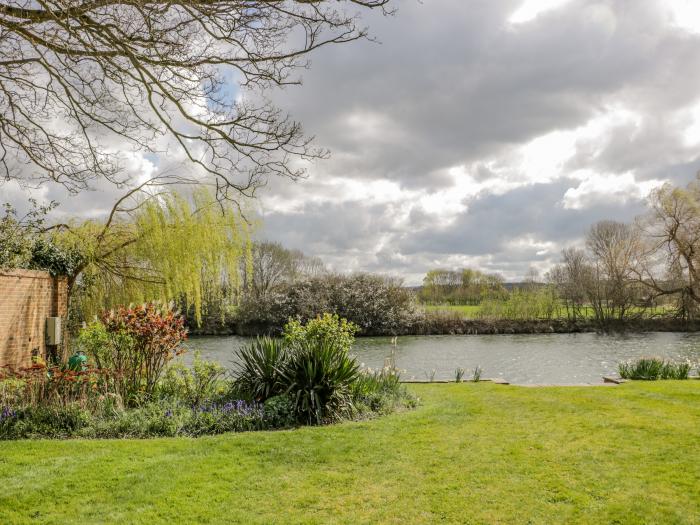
[(77, 361)]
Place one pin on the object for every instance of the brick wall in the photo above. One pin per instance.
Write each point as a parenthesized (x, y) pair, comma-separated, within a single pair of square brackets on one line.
[(27, 298)]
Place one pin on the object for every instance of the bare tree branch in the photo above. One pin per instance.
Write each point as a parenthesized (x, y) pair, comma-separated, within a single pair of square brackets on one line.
[(78, 76)]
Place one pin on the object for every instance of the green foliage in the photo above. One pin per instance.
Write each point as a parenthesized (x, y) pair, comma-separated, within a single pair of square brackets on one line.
[(46, 421), (219, 418), (150, 420), (380, 391), (12, 391), (311, 368), (95, 342), (278, 412), (459, 375), (327, 329), (653, 368), (172, 248), (258, 370), (312, 381), (46, 255), (24, 243), (524, 304), (318, 376), (194, 385)]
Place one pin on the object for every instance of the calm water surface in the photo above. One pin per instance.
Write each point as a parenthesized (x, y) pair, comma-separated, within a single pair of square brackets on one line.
[(522, 359)]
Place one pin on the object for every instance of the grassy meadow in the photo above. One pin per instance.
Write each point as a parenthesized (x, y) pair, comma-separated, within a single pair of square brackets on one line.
[(475, 311)]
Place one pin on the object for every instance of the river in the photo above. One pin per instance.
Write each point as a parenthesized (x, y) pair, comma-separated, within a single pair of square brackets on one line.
[(521, 359)]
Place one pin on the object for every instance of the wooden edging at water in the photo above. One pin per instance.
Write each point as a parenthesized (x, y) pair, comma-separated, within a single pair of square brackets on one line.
[(496, 381), (607, 381)]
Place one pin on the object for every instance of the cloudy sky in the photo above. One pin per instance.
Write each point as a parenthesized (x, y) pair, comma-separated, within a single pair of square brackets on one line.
[(484, 133)]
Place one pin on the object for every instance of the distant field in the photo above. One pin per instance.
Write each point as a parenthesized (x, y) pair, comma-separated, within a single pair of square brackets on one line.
[(473, 311), (469, 311)]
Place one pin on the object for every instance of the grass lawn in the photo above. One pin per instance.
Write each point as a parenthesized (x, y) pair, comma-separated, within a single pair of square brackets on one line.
[(473, 311), (467, 310), (472, 453)]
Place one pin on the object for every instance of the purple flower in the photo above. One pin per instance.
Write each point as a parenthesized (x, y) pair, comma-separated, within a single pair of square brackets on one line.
[(7, 413)]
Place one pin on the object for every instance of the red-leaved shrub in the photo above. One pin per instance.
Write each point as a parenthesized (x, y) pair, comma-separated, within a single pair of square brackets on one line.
[(142, 339)]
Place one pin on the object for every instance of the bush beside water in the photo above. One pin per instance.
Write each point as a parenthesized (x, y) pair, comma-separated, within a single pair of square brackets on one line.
[(307, 377), (653, 368)]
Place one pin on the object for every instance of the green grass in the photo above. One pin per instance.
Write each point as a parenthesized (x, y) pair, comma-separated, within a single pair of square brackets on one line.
[(473, 311), (467, 310), (471, 453)]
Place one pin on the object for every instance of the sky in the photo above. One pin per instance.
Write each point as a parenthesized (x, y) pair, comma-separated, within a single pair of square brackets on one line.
[(487, 134)]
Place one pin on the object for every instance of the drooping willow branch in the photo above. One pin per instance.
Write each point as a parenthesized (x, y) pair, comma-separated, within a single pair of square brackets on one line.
[(78, 77)]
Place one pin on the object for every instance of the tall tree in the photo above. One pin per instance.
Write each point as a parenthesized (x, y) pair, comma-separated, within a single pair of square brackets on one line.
[(78, 76), (671, 266), (164, 246)]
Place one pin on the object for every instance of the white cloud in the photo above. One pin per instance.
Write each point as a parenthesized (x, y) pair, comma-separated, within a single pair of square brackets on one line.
[(685, 14), (596, 188), (531, 8)]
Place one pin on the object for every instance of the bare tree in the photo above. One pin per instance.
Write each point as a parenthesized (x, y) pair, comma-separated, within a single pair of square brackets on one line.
[(672, 257), (573, 279), (615, 249), (273, 266), (78, 77)]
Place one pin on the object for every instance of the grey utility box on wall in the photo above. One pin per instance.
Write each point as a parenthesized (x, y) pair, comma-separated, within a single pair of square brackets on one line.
[(53, 331)]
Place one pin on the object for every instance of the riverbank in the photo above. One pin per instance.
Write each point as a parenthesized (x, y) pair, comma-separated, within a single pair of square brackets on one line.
[(456, 325), (470, 453)]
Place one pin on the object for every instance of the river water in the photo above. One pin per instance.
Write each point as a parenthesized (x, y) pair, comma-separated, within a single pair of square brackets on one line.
[(520, 359)]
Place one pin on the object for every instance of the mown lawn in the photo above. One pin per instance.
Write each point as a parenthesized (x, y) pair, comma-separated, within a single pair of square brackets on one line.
[(472, 453)]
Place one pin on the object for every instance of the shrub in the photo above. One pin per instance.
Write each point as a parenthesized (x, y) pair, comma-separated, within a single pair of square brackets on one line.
[(142, 340), (377, 305), (329, 329), (149, 420), (379, 391), (12, 391), (196, 384), (234, 416), (653, 368), (278, 412), (55, 385), (258, 371), (42, 421), (317, 377)]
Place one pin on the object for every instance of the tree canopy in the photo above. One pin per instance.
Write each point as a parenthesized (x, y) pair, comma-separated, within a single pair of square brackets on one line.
[(168, 248)]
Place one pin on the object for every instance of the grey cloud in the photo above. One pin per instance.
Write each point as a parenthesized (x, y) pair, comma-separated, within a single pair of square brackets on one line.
[(453, 84)]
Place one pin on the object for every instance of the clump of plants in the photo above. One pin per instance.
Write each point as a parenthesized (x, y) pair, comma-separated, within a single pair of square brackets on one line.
[(312, 368), (129, 387), (653, 368)]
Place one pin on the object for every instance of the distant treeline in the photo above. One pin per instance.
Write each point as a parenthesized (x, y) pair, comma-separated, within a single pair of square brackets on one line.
[(622, 275)]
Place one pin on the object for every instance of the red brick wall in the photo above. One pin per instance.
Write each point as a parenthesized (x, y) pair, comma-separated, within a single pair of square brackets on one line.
[(27, 298)]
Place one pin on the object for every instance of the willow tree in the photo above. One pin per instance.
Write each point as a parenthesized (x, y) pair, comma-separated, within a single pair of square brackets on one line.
[(165, 247)]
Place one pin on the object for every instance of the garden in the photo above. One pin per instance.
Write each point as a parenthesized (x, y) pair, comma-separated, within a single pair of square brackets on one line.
[(469, 453), (124, 380)]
